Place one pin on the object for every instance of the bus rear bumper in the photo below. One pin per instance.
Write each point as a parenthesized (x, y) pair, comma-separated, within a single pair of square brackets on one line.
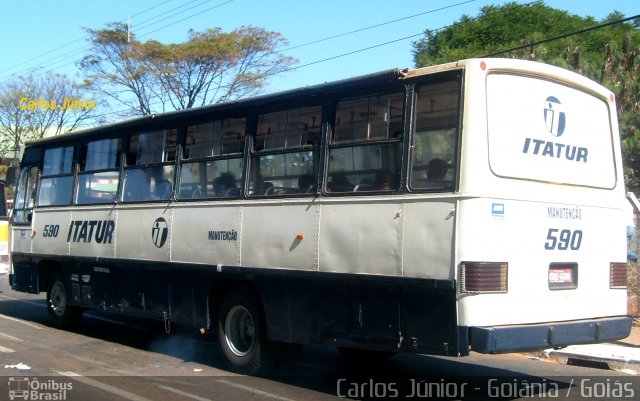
[(500, 339)]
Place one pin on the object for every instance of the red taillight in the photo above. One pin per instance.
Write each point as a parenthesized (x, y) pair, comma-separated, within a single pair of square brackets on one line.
[(483, 277), (617, 275)]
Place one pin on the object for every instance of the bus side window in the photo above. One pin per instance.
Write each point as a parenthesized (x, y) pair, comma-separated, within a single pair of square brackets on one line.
[(285, 155), (99, 176), (433, 150), (25, 195), (56, 184), (212, 160), (365, 151), (148, 172)]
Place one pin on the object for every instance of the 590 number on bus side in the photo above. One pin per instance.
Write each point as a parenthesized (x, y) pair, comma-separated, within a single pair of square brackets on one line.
[(563, 240), (51, 230)]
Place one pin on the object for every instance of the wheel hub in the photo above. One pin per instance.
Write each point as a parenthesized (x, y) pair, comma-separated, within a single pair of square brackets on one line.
[(240, 330)]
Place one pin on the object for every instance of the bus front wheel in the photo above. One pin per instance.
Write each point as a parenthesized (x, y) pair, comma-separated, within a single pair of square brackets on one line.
[(242, 332), (62, 314)]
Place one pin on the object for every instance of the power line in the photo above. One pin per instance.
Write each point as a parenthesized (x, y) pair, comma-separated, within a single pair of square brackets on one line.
[(78, 50), (65, 56), (601, 26), (593, 28), (74, 41), (376, 25), (186, 18), (165, 12), (196, 4), (406, 37), (362, 49), (582, 31), (52, 66)]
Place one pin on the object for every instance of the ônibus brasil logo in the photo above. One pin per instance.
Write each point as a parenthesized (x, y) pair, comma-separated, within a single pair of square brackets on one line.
[(554, 116), (159, 232)]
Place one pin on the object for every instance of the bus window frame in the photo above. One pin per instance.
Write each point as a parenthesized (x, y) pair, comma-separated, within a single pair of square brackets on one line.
[(330, 143), (29, 202), (81, 170), (254, 154), (453, 185), (72, 174), (169, 159), (182, 160)]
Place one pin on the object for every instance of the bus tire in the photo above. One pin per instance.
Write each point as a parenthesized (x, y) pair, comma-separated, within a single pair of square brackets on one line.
[(242, 332), (63, 315)]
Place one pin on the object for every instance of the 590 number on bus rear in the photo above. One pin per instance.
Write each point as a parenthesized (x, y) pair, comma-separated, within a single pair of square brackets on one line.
[(563, 240)]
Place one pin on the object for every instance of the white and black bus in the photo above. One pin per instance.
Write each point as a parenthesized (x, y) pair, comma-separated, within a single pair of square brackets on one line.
[(477, 205)]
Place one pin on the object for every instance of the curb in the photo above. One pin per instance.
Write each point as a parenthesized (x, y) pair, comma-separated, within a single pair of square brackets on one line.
[(603, 356)]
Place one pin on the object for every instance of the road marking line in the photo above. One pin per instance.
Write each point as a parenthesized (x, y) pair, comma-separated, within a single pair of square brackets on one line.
[(33, 326), (183, 393), (254, 390), (103, 365), (104, 387), (4, 349), (10, 337)]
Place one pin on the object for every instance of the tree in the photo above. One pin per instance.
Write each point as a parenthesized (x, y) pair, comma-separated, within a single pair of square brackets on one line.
[(620, 72), (211, 66), (607, 55), (36, 105)]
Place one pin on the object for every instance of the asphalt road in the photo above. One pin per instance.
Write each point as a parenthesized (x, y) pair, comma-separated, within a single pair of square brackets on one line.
[(111, 357)]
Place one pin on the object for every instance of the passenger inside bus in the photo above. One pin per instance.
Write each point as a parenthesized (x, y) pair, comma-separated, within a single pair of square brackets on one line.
[(136, 182), (436, 172), (437, 169), (385, 181), (306, 183), (224, 184), (339, 182)]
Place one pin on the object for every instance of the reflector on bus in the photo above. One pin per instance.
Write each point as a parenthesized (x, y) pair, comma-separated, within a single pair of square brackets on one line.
[(617, 275), (483, 277)]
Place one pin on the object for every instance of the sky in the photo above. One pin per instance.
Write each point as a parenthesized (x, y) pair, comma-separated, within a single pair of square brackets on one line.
[(50, 35)]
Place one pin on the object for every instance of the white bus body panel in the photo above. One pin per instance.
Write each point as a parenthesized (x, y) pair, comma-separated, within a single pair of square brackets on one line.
[(510, 191), (270, 235), (529, 298), (192, 245), (409, 237)]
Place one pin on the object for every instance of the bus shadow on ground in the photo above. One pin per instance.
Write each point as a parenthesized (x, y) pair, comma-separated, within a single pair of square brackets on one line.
[(315, 368)]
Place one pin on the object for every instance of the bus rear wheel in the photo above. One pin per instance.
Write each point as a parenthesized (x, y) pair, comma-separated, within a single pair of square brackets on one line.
[(63, 315), (242, 332)]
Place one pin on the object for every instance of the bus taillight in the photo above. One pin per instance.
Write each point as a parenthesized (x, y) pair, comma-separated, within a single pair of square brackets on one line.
[(617, 275), (483, 277)]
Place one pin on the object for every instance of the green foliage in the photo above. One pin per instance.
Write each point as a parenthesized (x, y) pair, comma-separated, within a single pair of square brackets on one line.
[(608, 55)]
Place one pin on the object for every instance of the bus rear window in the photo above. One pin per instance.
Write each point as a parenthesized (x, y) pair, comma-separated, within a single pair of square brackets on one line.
[(545, 131)]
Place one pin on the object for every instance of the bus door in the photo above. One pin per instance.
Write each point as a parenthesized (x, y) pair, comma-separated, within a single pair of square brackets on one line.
[(26, 278)]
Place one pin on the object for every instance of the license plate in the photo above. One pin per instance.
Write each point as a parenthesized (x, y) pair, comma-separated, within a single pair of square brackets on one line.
[(560, 276), (563, 276)]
